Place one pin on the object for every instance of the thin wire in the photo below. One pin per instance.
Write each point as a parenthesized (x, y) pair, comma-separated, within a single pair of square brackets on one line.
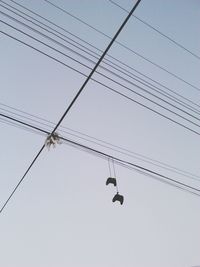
[(110, 174), (113, 147), (114, 171), (54, 24), (97, 64), (107, 76), (156, 30), (162, 181), (126, 164), (106, 86), (10, 123), (122, 45), (73, 101), (136, 170), (23, 123), (132, 164), (113, 73), (139, 171)]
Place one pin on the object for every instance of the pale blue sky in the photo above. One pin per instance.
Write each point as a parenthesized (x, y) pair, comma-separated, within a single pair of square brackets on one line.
[(62, 215)]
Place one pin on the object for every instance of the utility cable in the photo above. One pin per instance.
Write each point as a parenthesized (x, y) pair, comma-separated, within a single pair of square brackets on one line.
[(123, 45), (101, 143), (137, 167), (100, 72), (89, 44), (156, 30), (111, 78), (139, 171), (73, 101), (89, 138), (106, 86), (152, 87), (97, 64)]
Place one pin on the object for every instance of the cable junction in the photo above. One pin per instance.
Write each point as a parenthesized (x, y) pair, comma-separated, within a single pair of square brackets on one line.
[(72, 102), (9, 112), (119, 161)]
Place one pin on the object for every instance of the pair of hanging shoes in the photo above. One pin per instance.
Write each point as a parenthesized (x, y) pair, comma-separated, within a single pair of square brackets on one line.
[(117, 197)]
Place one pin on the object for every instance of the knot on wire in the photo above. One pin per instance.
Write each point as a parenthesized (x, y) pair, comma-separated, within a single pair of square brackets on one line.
[(52, 140)]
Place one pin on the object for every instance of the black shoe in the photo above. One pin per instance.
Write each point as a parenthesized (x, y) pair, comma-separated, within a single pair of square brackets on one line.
[(119, 198)]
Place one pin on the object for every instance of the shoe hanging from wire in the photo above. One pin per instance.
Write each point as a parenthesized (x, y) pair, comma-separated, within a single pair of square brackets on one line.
[(112, 180)]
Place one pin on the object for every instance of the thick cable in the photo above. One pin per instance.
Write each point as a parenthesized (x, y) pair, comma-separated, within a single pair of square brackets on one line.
[(123, 45), (127, 163), (96, 141), (73, 101)]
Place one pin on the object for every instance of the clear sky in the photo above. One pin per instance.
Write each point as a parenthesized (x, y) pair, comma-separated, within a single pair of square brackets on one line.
[(63, 215)]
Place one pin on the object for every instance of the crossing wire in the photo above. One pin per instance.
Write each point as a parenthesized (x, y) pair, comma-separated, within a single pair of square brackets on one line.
[(108, 70), (113, 73), (124, 163), (73, 101), (15, 121), (123, 45), (104, 85), (88, 138), (92, 46)]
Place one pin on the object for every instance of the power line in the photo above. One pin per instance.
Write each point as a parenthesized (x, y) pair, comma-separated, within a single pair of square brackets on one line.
[(113, 73), (74, 99), (142, 172), (156, 30), (143, 82), (124, 163), (95, 141), (17, 125), (122, 45), (106, 86), (105, 75), (97, 64), (85, 42), (21, 180)]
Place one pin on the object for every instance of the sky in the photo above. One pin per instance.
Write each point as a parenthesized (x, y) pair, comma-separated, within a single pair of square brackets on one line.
[(62, 214)]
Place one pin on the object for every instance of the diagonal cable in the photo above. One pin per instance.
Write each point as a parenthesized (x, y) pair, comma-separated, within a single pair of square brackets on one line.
[(73, 101), (124, 163)]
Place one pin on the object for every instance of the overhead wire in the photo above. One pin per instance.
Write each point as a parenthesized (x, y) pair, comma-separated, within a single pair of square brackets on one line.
[(122, 45), (106, 86), (19, 126), (127, 164), (96, 141), (143, 82), (138, 171), (73, 100), (113, 73), (85, 42), (92, 62), (156, 30), (101, 143), (101, 73)]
